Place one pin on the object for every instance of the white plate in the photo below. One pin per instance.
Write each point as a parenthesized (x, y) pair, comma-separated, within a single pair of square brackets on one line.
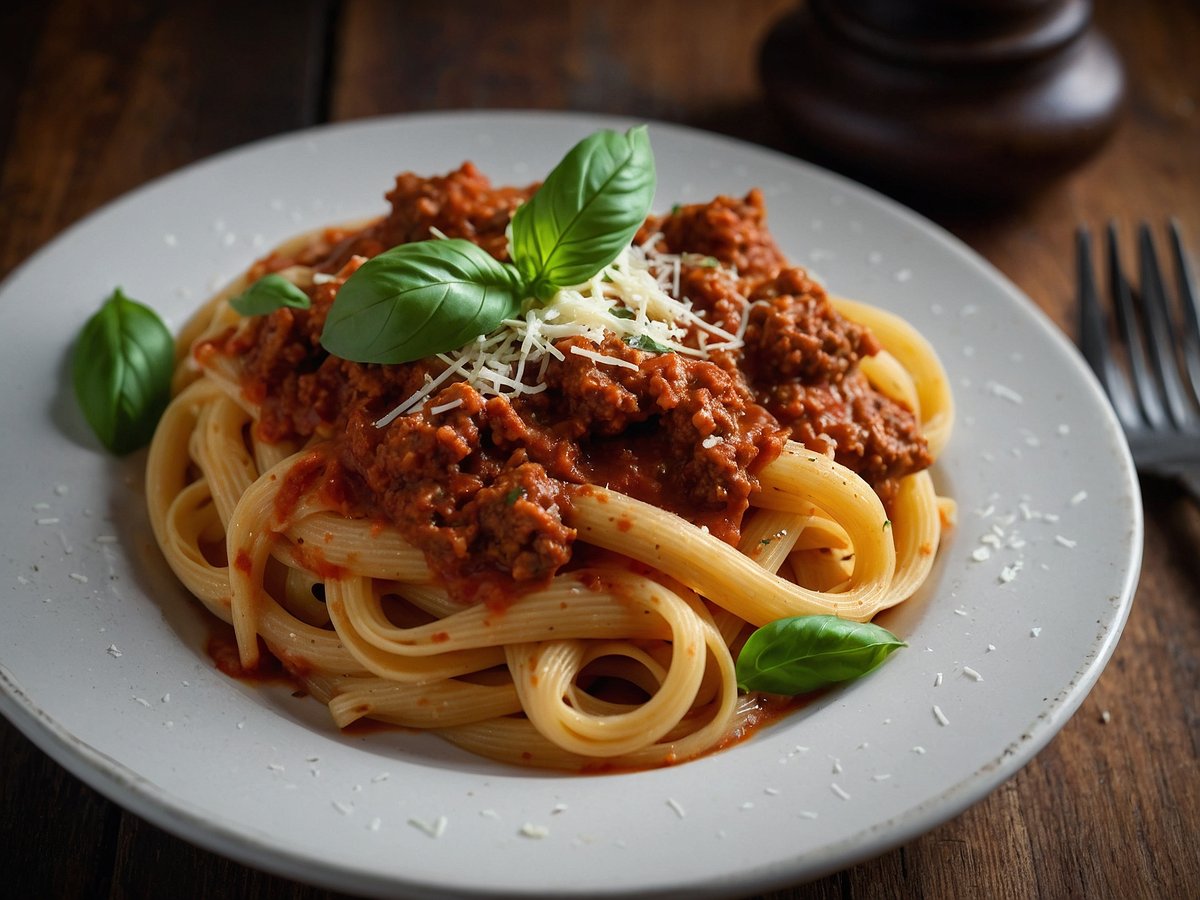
[(110, 675)]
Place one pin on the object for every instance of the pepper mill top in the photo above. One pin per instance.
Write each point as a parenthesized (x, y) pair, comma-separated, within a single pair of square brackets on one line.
[(966, 99)]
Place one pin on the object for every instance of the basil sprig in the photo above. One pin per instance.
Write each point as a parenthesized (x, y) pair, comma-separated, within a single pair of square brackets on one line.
[(121, 368), (433, 296), (268, 294), (804, 653)]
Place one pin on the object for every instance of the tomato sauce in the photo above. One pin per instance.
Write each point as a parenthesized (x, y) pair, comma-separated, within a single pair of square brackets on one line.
[(221, 647)]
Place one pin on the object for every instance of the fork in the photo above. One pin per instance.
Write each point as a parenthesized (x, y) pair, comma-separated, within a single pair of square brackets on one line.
[(1160, 335)]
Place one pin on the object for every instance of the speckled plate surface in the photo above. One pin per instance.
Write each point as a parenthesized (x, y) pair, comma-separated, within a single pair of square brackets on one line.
[(102, 654)]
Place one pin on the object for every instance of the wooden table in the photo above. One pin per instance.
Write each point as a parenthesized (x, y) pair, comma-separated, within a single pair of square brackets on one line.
[(98, 97)]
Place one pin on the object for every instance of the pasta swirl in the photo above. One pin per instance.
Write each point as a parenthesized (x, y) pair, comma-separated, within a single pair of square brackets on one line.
[(624, 658)]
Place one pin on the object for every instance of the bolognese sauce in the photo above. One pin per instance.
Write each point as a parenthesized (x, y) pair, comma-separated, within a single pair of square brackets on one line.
[(482, 485)]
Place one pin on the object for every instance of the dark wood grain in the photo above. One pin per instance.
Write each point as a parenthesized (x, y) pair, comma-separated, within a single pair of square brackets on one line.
[(98, 97), (114, 94)]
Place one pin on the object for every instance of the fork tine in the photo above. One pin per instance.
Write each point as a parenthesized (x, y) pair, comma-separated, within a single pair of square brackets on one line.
[(1093, 336), (1131, 332), (1187, 299), (1161, 343)]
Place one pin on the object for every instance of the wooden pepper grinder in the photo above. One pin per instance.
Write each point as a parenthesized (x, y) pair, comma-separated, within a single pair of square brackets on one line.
[(971, 99)]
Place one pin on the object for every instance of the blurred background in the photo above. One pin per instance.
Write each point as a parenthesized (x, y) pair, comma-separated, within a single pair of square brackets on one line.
[(1009, 122)]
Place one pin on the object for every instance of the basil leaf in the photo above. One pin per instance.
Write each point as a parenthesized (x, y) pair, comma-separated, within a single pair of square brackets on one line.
[(268, 294), (419, 299), (621, 312), (586, 211), (647, 343), (121, 368), (804, 653)]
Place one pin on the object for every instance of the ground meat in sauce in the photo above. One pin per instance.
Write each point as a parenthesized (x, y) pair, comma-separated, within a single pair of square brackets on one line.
[(482, 487), (664, 413), (304, 391), (728, 229), (468, 503), (462, 204), (792, 333), (800, 357)]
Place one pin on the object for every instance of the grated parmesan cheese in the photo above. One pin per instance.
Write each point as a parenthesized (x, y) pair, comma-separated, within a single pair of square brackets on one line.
[(445, 407), (1005, 393), (434, 829), (1008, 573), (635, 298), (602, 358)]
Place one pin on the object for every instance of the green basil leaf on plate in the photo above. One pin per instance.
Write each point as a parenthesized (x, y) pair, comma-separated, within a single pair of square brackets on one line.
[(268, 294), (586, 211), (419, 299), (805, 653), (121, 367)]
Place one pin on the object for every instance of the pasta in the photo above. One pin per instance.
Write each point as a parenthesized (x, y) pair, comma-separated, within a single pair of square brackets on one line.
[(623, 653)]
